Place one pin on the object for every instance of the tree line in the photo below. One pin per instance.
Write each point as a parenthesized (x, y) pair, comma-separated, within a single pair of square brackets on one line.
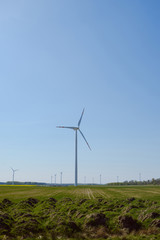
[(135, 182)]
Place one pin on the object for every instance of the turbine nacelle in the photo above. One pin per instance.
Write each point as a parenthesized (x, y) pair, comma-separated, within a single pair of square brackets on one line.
[(74, 128)]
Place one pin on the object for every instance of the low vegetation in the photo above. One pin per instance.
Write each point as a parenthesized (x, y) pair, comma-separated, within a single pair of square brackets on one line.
[(78, 213)]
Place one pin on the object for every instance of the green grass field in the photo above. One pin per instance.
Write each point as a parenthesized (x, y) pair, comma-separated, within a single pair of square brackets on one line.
[(83, 212), (91, 192)]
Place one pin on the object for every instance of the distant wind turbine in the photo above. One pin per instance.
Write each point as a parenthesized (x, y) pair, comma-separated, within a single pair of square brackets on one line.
[(55, 175), (14, 170), (77, 129), (61, 178), (100, 178)]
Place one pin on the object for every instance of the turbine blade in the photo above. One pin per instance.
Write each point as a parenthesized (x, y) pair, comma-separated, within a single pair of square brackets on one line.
[(66, 127), (84, 139), (80, 118)]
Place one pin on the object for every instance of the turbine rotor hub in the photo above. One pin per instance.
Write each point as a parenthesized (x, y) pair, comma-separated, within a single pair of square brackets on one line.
[(75, 128)]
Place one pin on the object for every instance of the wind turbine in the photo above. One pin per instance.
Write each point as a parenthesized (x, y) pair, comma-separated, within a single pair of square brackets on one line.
[(77, 129), (61, 178), (14, 170), (55, 175)]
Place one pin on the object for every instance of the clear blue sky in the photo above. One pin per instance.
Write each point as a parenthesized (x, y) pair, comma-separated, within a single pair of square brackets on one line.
[(57, 57)]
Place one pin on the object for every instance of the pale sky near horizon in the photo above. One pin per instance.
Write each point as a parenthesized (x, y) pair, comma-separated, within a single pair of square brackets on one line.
[(58, 57)]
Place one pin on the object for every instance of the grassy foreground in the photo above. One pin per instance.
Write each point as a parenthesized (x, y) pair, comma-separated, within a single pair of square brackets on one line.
[(49, 213)]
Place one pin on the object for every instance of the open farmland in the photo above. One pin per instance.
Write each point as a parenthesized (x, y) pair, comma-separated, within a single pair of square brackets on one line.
[(91, 192), (90, 212)]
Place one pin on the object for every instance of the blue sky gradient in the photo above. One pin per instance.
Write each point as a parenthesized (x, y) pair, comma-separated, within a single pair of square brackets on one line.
[(57, 57)]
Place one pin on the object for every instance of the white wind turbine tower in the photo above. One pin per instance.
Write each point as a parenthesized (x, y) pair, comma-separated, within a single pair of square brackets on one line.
[(76, 129), (61, 178), (55, 175), (14, 170)]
